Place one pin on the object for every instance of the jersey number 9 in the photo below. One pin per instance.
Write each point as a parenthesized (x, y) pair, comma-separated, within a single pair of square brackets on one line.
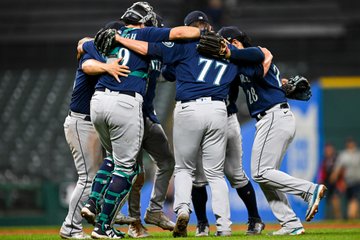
[(117, 53), (124, 53)]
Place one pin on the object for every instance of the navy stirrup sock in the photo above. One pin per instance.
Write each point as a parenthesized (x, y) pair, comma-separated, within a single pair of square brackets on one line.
[(199, 199), (247, 194)]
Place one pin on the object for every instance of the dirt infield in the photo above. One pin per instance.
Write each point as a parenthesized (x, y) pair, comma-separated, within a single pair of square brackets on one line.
[(236, 227)]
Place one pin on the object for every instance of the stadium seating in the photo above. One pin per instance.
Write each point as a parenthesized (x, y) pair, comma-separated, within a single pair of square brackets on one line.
[(35, 106)]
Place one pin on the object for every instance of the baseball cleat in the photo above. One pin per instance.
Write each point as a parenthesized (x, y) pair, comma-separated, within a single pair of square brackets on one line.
[(314, 202), (180, 229), (287, 231), (159, 219), (89, 212), (79, 235), (255, 227), (137, 230), (105, 231), (202, 230), (123, 219)]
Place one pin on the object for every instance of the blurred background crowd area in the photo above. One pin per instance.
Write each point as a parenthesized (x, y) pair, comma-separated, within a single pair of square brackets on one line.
[(339, 171), (313, 38)]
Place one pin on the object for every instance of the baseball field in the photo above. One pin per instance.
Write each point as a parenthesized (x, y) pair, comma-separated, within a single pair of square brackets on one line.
[(327, 230)]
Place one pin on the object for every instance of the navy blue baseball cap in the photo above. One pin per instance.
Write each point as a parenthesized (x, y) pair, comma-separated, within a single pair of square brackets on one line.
[(114, 24), (195, 16), (232, 32)]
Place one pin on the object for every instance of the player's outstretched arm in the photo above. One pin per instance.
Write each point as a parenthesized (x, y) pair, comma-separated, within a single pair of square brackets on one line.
[(248, 55), (105, 39), (184, 32), (137, 46), (267, 61), (141, 47), (94, 67)]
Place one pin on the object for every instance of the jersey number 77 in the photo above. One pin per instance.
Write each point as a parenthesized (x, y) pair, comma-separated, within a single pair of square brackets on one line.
[(209, 63)]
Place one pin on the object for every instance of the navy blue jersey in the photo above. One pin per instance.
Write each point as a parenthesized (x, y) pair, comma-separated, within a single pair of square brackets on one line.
[(138, 64), (248, 55), (233, 95), (262, 92), (148, 105), (84, 85), (168, 72), (238, 56), (196, 76)]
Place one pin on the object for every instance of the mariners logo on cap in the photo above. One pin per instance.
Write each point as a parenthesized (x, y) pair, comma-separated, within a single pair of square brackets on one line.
[(195, 16), (168, 44)]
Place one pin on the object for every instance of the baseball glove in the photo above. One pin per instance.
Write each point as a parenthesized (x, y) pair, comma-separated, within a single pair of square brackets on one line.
[(297, 88), (212, 44), (105, 40)]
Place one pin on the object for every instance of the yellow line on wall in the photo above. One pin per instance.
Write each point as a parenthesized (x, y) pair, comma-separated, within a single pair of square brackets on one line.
[(340, 82)]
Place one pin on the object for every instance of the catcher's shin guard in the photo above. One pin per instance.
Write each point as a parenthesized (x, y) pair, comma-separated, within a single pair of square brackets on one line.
[(101, 180), (116, 195)]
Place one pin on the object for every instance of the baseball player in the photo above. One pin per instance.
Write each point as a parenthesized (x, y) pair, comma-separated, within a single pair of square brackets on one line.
[(116, 112), (155, 142), (234, 173), (275, 129), (233, 170), (82, 139), (200, 120)]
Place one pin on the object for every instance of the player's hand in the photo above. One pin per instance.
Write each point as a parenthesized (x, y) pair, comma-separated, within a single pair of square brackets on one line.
[(117, 70), (266, 52), (284, 81), (80, 50)]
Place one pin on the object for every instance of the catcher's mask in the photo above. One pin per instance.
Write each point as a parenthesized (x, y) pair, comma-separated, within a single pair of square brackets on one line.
[(159, 22), (139, 12), (232, 32)]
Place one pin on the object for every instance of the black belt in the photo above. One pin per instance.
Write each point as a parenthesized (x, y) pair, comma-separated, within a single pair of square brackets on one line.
[(262, 114), (212, 99), (81, 115), (130, 93)]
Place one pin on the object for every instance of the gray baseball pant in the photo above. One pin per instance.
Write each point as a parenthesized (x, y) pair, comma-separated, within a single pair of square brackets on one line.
[(233, 159), (87, 153), (156, 143), (201, 126), (274, 133), (118, 121)]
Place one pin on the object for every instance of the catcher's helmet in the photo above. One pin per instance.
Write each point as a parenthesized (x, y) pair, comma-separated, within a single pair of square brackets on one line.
[(159, 22), (232, 32), (139, 12)]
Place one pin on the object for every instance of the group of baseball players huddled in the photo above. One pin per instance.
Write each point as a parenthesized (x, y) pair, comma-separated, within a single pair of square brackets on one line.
[(112, 119)]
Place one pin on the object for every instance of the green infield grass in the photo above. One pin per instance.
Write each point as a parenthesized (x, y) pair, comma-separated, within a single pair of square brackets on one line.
[(317, 231)]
